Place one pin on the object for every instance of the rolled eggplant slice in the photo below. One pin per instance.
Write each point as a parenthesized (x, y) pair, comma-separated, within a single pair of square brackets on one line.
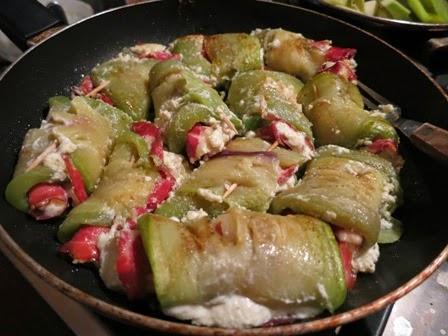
[(232, 53), (243, 253), (287, 158), (267, 95), (128, 180), (302, 57), (181, 101), (352, 190), (191, 48), (127, 76), (335, 108), (255, 175), (70, 148)]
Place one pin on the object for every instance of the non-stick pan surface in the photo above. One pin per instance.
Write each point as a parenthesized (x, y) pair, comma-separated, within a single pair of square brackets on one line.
[(57, 64)]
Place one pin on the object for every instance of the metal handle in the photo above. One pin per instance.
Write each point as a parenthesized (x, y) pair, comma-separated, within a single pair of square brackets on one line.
[(21, 20), (432, 140), (437, 50)]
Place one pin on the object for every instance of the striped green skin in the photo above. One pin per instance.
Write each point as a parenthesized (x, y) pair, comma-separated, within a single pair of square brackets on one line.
[(232, 53), (88, 123), (191, 48), (344, 188), (255, 176), (283, 262), (126, 184), (196, 102), (263, 94), (128, 84), (336, 110)]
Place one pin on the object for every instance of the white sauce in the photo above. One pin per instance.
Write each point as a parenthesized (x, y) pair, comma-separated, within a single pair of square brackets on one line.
[(55, 162), (214, 139), (147, 48), (357, 168), (209, 195), (108, 248), (53, 209), (174, 162), (296, 140), (365, 263), (288, 184), (338, 149), (234, 311), (193, 215), (250, 134)]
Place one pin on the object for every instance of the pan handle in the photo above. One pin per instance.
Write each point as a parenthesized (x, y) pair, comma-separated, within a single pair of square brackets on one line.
[(432, 140), (437, 49), (27, 22)]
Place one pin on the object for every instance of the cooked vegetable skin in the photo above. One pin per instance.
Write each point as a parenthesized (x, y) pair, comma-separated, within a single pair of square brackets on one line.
[(287, 158), (181, 100), (127, 182), (290, 52), (232, 53), (254, 173), (128, 83), (350, 189), (282, 262), (335, 108), (191, 47), (268, 95), (83, 129)]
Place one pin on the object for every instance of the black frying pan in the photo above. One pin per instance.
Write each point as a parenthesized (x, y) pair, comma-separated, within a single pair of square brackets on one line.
[(55, 65)]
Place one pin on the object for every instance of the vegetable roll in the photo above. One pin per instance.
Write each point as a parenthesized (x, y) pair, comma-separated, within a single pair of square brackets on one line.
[(230, 271), (191, 48), (353, 190), (190, 113), (335, 108), (232, 53), (134, 182), (254, 177), (302, 57), (65, 157), (268, 99)]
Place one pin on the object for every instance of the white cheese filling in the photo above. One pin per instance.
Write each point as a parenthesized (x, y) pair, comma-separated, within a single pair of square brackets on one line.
[(288, 184), (174, 163), (193, 215), (235, 311), (366, 262), (214, 139), (147, 48), (209, 195), (108, 248), (296, 140)]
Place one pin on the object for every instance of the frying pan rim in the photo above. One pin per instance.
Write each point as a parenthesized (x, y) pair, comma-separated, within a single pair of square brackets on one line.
[(146, 321)]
